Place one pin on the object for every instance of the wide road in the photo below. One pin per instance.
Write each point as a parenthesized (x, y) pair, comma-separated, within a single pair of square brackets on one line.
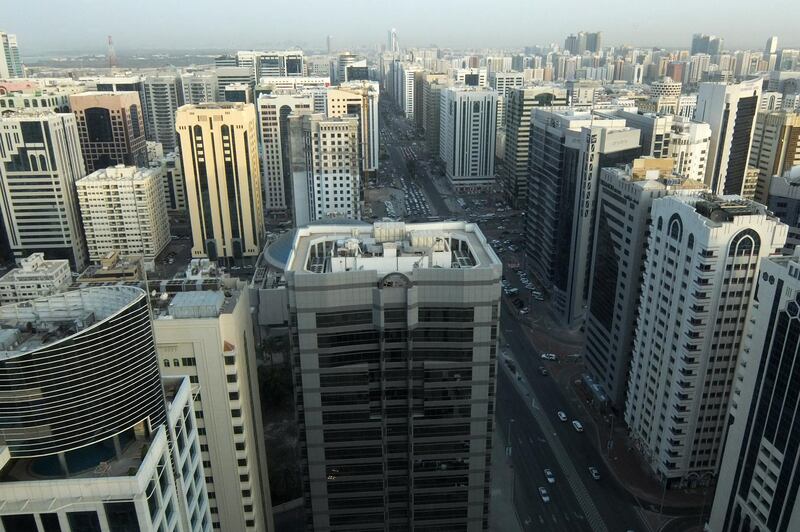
[(570, 453)]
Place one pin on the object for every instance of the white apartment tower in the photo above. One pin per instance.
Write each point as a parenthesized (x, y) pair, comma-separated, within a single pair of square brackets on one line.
[(219, 150), (123, 210), (40, 161), (164, 95), (467, 136), (700, 274), (208, 335), (689, 145), (199, 87), (730, 110), (758, 481), (273, 116), (325, 167), (10, 60)]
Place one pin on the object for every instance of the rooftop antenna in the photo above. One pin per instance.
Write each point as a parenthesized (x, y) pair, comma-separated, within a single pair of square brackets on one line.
[(112, 55)]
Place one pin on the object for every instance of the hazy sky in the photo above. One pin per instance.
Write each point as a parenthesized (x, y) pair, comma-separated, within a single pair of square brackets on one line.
[(43, 26)]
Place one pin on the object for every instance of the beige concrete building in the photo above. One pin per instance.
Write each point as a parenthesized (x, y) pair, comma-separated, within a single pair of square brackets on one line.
[(208, 335), (111, 128), (35, 277), (219, 149), (113, 268), (360, 98), (123, 210), (775, 148)]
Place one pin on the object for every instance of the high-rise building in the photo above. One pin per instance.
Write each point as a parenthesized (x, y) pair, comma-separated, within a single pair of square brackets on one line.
[(274, 64), (325, 167), (689, 145), (344, 63), (514, 164), (208, 335), (503, 82), (775, 148), (701, 268), (431, 106), (784, 202), (219, 150), (467, 136), (111, 127), (123, 210), (594, 41), (730, 110), (97, 446), (164, 96), (567, 151), (126, 84), (392, 45), (238, 93), (228, 75), (405, 85), (40, 160), (10, 60), (329, 44), (412, 421), (655, 130), (172, 181), (623, 216), (360, 98), (200, 87), (706, 44), (472, 77), (273, 112), (757, 481), (34, 277)]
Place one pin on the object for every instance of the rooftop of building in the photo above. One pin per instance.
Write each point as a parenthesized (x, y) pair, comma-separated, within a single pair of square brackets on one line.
[(214, 106), (723, 209), (197, 304), (35, 265), (652, 172), (388, 247), (31, 325), (120, 172)]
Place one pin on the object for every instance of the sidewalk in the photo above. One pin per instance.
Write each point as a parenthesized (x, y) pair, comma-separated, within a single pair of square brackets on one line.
[(502, 515)]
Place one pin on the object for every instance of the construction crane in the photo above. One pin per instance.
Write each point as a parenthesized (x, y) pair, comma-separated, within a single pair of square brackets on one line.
[(112, 55)]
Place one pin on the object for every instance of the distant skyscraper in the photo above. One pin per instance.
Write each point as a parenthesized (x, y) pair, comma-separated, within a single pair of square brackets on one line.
[(706, 44), (409, 424), (117, 451), (730, 110), (219, 150), (329, 42), (772, 45), (757, 485), (467, 136), (111, 128), (700, 272), (199, 87), (775, 148), (164, 96), (594, 41), (326, 173), (123, 210), (567, 151), (623, 218), (432, 84), (40, 161), (392, 44), (10, 61)]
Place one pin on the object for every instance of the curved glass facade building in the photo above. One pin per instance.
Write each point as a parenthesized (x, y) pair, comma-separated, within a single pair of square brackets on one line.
[(78, 369)]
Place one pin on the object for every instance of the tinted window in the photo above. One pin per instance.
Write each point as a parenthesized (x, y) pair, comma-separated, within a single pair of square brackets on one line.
[(98, 124)]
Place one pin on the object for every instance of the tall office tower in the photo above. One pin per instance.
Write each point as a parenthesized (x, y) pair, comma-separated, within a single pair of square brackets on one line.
[(329, 44), (655, 131), (126, 84), (123, 210), (199, 87), (467, 137), (219, 150), (594, 41), (172, 182), (702, 263), (772, 45), (757, 481), (273, 113), (238, 93), (228, 75), (10, 60), (343, 62), (164, 96), (226, 60), (503, 82), (623, 215), (567, 151), (111, 128), (269, 64), (730, 110), (784, 202), (699, 64), (392, 45), (98, 446), (431, 107), (40, 160), (678, 71), (208, 335), (408, 447), (326, 173), (688, 146), (706, 44), (405, 87), (360, 98), (472, 77), (775, 148), (514, 164)]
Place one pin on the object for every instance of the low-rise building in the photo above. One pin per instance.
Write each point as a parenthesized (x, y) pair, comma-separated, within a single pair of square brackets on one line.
[(35, 277)]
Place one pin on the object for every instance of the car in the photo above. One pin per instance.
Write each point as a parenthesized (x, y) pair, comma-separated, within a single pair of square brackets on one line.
[(561, 415), (548, 356), (577, 425), (523, 311), (543, 494), (594, 473), (538, 298), (551, 479), (543, 371)]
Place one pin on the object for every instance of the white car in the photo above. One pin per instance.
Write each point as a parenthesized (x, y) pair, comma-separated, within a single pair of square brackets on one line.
[(551, 479), (577, 425), (543, 494), (595, 473), (561, 415), (548, 356)]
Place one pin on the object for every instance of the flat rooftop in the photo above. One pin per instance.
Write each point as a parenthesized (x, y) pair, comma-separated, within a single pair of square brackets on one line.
[(388, 247), (195, 304), (725, 208)]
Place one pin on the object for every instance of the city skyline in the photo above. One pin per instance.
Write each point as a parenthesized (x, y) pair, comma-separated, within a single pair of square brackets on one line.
[(514, 23)]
